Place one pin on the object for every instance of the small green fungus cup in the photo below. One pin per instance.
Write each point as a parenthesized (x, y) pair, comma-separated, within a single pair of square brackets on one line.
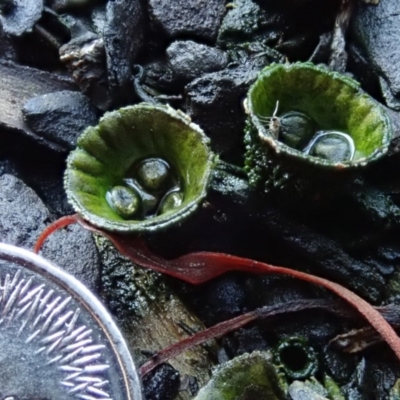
[(333, 101), (106, 152)]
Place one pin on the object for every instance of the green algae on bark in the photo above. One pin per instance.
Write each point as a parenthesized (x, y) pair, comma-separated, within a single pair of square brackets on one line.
[(334, 102), (395, 391), (107, 153), (255, 376), (249, 376)]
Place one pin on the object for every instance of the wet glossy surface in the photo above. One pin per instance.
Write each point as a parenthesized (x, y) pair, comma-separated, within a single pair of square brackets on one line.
[(150, 188)]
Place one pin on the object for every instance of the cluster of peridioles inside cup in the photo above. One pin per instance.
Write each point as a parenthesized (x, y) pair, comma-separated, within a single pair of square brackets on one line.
[(150, 187), (298, 131)]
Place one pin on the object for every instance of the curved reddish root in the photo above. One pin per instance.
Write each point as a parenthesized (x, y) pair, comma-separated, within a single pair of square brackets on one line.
[(54, 226), (200, 267)]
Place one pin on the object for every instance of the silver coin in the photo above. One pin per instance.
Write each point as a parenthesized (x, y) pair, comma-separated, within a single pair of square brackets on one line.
[(57, 341)]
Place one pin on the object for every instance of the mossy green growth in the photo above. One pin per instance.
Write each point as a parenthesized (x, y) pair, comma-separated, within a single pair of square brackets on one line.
[(333, 101), (333, 389), (249, 376), (122, 139), (395, 391)]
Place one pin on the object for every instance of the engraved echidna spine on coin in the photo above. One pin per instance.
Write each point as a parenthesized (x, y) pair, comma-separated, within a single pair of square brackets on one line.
[(46, 318)]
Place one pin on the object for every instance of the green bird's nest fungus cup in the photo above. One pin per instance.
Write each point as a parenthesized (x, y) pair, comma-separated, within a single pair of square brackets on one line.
[(305, 118), (142, 168)]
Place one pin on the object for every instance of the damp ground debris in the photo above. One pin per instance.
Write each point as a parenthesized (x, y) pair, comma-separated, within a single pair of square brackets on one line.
[(298, 173)]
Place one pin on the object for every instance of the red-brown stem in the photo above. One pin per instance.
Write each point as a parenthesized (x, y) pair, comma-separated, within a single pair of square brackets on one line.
[(200, 267), (54, 226)]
